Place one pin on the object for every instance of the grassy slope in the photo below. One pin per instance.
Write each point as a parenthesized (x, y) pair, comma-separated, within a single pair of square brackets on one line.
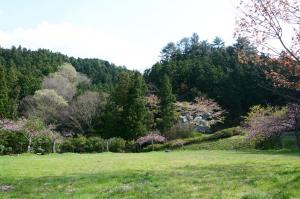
[(231, 143), (180, 174)]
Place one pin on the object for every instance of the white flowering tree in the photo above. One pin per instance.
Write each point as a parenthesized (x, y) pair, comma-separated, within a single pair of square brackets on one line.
[(202, 113)]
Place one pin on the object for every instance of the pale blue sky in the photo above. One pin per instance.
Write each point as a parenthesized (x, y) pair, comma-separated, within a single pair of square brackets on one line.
[(125, 32)]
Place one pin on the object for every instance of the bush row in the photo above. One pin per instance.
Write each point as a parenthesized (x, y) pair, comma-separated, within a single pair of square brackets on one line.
[(82, 144), (16, 143)]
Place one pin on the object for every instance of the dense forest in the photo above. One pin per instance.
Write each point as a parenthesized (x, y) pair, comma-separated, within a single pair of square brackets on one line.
[(22, 72), (197, 86), (218, 71)]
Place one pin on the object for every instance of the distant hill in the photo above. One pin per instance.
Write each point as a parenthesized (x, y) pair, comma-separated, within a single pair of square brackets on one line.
[(22, 71)]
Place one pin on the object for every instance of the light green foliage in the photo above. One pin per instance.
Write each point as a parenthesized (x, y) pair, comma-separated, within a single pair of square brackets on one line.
[(207, 140), (261, 111), (178, 174), (68, 71), (34, 124), (49, 96), (231, 143), (47, 105), (64, 81)]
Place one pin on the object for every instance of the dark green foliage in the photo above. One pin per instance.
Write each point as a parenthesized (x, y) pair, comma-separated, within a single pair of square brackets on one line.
[(14, 91), (167, 107), (130, 146), (82, 144), (3, 93), (95, 144), (12, 142), (103, 74), (23, 71), (42, 144), (116, 145), (127, 115), (225, 133), (16, 143), (74, 144), (135, 113), (198, 67)]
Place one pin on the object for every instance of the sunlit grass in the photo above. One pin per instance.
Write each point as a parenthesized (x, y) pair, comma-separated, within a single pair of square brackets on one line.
[(180, 174)]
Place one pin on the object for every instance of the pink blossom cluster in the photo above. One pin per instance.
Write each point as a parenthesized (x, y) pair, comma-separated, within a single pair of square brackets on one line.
[(10, 125), (263, 127), (151, 137)]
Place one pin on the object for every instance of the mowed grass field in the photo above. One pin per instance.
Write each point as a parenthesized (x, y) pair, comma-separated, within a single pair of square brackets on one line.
[(177, 174)]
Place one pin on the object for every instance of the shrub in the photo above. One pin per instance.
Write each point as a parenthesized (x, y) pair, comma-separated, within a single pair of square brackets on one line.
[(42, 144), (67, 145), (83, 144), (2, 149), (289, 141), (79, 144), (194, 140), (130, 146), (13, 142), (74, 144), (177, 143), (95, 144), (116, 144), (180, 130), (225, 133), (156, 147)]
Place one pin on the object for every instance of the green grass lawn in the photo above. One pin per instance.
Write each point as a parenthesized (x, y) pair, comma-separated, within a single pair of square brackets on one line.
[(178, 174)]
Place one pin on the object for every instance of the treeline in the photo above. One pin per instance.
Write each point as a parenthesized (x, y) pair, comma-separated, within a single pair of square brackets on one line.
[(196, 85), (197, 67), (22, 71)]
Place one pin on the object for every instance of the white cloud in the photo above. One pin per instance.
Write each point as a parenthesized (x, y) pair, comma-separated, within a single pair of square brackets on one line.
[(81, 42)]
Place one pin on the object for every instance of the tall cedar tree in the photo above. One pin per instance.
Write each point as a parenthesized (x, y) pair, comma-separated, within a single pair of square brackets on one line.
[(126, 113), (135, 113), (14, 90), (167, 107), (3, 93)]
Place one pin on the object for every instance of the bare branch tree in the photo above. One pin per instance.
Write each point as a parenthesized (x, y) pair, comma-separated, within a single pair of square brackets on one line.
[(80, 115), (274, 27)]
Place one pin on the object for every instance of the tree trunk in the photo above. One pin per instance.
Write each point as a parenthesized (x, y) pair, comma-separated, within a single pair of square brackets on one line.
[(152, 145), (54, 147), (297, 138), (29, 145), (107, 149)]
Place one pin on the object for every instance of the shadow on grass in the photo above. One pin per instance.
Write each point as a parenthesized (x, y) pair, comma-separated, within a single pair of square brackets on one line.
[(287, 152), (188, 181)]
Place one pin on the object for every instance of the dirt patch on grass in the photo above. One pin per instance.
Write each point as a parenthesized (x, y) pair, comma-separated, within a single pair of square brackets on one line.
[(5, 188)]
